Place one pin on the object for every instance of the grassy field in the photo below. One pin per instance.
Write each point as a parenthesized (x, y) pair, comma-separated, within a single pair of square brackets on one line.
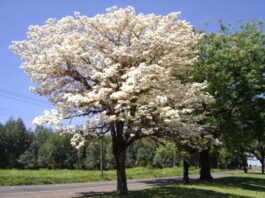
[(44, 176), (240, 185)]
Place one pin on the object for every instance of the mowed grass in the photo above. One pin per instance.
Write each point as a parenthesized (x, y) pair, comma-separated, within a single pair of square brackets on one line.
[(239, 185), (43, 176)]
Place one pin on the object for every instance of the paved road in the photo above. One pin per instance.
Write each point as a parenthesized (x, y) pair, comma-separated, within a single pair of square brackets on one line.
[(79, 189)]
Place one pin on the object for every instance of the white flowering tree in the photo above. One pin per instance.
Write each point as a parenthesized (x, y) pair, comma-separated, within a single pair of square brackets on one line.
[(118, 70)]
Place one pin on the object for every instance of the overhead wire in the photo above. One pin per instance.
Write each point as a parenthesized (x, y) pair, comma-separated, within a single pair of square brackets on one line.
[(6, 91), (22, 98)]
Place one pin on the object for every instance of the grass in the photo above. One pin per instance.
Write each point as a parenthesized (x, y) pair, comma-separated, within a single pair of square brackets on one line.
[(43, 176), (239, 185)]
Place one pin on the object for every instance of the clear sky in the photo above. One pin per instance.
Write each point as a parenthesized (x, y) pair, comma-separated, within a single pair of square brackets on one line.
[(17, 15)]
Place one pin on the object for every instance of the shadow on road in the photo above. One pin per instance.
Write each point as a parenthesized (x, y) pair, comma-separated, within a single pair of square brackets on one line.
[(175, 189), (166, 192)]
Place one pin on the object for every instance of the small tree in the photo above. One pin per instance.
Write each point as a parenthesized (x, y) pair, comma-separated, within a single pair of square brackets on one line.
[(119, 70)]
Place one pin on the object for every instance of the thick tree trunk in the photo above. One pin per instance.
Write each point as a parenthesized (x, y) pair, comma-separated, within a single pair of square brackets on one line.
[(119, 147), (120, 158), (243, 159), (245, 168), (262, 162), (185, 171), (262, 165), (260, 155), (244, 163), (205, 172)]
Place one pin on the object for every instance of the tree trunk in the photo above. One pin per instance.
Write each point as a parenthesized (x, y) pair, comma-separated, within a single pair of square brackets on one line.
[(260, 155), (119, 147), (244, 163), (243, 159), (185, 171), (262, 161), (120, 158), (205, 172), (245, 168)]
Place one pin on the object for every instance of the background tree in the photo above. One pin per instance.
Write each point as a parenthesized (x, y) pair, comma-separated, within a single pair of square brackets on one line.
[(146, 150), (58, 152), (14, 140), (165, 155), (233, 63), (31, 157)]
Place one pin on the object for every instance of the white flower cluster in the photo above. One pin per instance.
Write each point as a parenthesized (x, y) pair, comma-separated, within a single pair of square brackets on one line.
[(77, 140), (48, 117), (121, 63)]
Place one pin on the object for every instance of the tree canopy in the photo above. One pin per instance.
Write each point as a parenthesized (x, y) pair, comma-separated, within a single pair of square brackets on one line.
[(121, 70)]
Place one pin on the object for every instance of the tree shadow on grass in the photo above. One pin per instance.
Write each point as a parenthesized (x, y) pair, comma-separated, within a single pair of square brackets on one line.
[(166, 192), (244, 182), (170, 188)]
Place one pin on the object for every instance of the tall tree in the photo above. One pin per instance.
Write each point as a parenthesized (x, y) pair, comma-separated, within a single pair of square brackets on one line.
[(15, 140), (233, 63), (31, 158), (119, 70)]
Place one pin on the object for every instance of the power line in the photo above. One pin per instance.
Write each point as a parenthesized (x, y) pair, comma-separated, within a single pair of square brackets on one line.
[(16, 98), (9, 92), (15, 95)]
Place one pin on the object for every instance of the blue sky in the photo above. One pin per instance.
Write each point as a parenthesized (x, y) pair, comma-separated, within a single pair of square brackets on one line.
[(17, 15)]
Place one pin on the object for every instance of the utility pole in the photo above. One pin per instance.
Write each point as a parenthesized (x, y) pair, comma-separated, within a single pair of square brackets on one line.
[(101, 155)]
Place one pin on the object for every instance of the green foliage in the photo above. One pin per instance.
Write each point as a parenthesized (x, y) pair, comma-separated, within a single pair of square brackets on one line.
[(14, 140), (30, 158), (166, 155), (46, 149), (57, 152), (90, 154), (233, 63), (145, 152)]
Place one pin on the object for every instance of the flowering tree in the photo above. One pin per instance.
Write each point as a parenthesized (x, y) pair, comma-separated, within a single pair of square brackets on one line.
[(119, 71)]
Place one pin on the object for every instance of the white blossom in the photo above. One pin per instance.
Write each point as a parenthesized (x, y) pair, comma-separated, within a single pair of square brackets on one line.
[(115, 67)]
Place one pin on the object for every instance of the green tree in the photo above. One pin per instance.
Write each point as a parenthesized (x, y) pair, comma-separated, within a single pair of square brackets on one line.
[(15, 140), (146, 149), (30, 158), (233, 62), (57, 152), (166, 155)]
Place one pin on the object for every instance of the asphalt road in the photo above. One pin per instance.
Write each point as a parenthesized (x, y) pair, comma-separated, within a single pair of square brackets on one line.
[(79, 189)]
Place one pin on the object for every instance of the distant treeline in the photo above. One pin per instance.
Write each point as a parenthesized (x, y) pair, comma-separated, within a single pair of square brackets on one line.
[(42, 148)]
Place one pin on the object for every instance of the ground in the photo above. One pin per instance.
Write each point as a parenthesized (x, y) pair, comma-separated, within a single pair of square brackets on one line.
[(225, 184), (239, 185)]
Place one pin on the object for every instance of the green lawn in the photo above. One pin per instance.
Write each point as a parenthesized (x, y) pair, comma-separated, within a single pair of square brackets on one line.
[(44, 176), (240, 185)]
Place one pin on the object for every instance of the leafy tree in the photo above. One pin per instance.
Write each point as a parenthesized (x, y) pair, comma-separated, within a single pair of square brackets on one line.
[(233, 63), (165, 155), (93, 154), (15, 140), (3, 145), (58, 152), (30, 158), (146, 149)]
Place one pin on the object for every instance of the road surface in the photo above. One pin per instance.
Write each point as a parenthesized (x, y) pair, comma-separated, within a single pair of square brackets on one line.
[(79, 189)]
